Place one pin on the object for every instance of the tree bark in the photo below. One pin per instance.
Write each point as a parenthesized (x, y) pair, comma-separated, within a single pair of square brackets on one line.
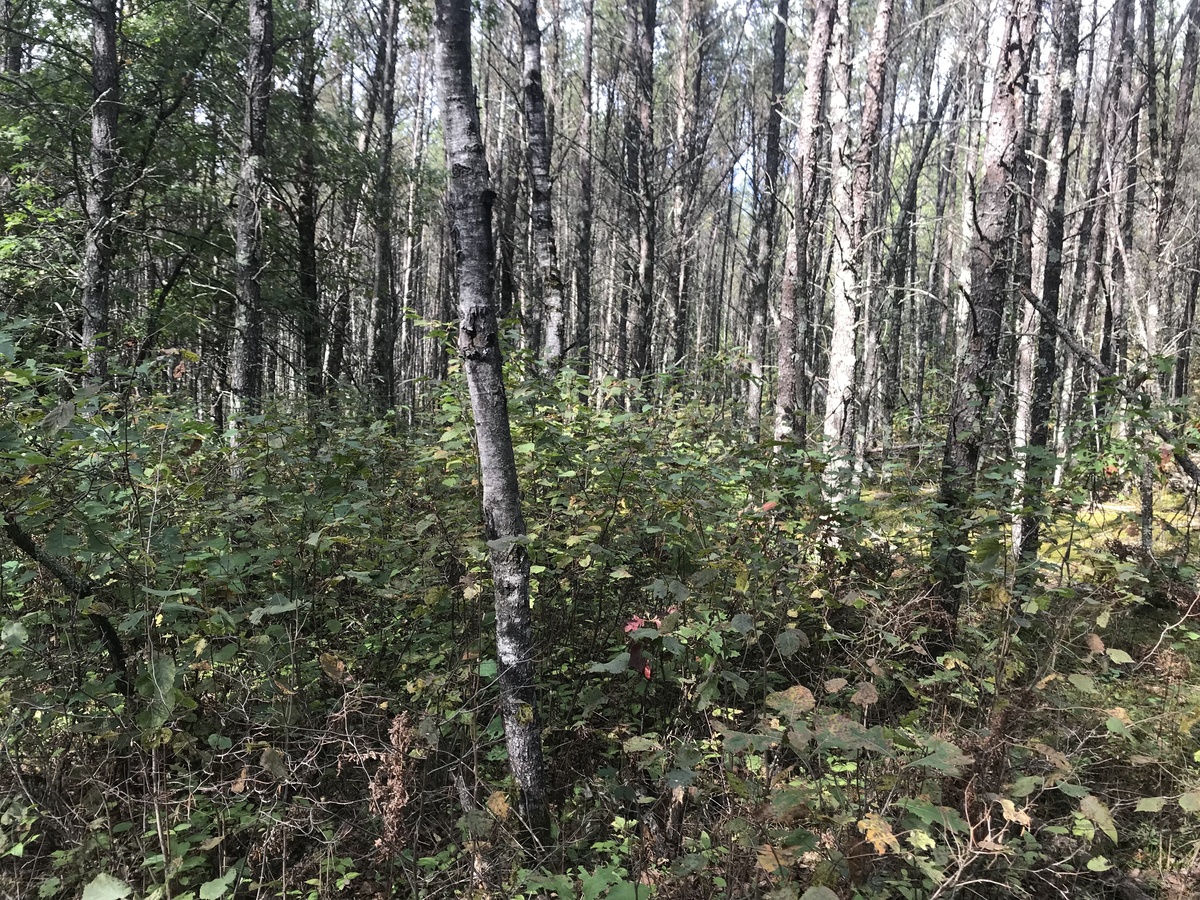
[(1037, 463), (383, 293), (642, 24), (470, 200), (852, 170), (990, 261), (583, 243), (549, 279), (246, 369), (796, 267), (762, 252), (102, 171), (306, 217)]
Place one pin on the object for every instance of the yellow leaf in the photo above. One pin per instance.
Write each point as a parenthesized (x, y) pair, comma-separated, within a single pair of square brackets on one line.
[(877, 830), (1012, 814), (497, 804), (239, 783)]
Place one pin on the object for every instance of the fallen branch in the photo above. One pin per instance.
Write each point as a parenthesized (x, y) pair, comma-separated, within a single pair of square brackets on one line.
[(79, 588)]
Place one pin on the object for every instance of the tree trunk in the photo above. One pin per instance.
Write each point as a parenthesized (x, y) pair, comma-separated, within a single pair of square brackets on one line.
[(642, 24), (383, 294), (583, 245), (102, 170), (762, 252), (852, 171), (990, 261), (797, 268), (246, 370), (306, 217), (470, 199), (549, 280), (1038, 463)]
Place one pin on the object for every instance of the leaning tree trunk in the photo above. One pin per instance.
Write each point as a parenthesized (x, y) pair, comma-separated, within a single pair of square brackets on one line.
[(246, 353), (470, 199), (990, 261), (102, 166), (549, 279)]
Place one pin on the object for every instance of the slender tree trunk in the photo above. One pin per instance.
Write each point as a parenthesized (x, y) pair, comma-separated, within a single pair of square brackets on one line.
[(307, 189), (102, 172), (549, 280), (1038, 464), (13, 20), (990, 268), (852, 172), (383, 294), (796, 269), (583, 245), (246, 369), (470, 199), (762, 252), (642, 25)]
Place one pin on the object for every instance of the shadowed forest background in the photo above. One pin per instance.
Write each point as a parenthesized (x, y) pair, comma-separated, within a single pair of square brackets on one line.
[(826, 533)]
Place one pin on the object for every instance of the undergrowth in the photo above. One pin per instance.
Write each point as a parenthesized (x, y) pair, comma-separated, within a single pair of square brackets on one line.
[(737, 691)]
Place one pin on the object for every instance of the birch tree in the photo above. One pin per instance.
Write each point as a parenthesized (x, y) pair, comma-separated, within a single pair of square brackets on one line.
[(549, 279), (470, 202), (990, 261), (102, 172)]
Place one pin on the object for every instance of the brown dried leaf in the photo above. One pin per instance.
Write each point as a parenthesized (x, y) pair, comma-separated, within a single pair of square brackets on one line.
[(833, 685), (866, 695), (1095, 643), (497, 804), (239, 783)]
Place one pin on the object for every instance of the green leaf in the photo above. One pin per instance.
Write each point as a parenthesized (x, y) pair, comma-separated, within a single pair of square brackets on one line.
[(211, 890), (1118, 656), (614, 666), (1150, 804), (274, 609), (945, 757), (1190, 802), (105, 887), (1098, 864), (819, 893), (640, 744), (742, 623), (1094, 809), (60, 417), (13, 634), (1082, 683), (789, 642)]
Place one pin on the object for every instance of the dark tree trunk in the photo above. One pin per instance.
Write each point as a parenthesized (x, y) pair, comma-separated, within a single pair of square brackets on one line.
[(642, 24), (246, 369), (990, 258), (1039, 465), (102, 171), (762, 252), (383, 293), (470, 199), (306, 217)]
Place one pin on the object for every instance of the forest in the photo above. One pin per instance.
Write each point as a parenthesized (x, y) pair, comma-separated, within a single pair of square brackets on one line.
[(606, 449)]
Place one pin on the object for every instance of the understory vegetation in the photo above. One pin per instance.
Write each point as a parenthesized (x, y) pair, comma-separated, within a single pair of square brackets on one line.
[(283, 686)]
